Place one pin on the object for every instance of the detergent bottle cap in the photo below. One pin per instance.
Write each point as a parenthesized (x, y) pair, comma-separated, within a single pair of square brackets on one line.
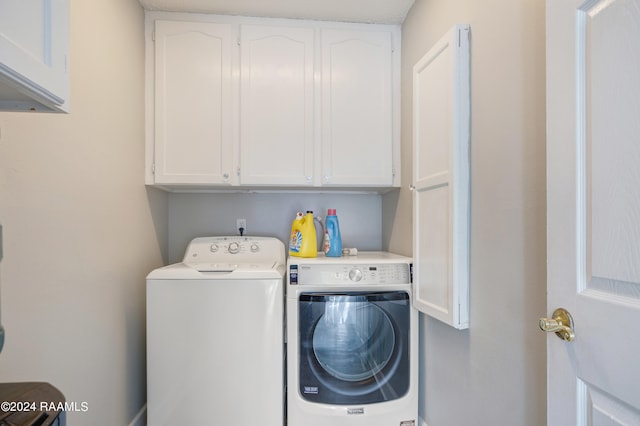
[(331, 212)]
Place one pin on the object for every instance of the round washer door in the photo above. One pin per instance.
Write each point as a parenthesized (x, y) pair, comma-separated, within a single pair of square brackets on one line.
[(354, 340), (354, 346)]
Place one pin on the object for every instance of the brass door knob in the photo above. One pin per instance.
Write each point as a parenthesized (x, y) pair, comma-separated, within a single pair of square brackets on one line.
[(561, 323)]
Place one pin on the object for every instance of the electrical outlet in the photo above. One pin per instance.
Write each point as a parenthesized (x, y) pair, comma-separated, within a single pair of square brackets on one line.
[(241, 223)]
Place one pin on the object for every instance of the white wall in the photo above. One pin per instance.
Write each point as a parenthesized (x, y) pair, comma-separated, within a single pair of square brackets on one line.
[(81, 231), (271, 214), (493, 373)]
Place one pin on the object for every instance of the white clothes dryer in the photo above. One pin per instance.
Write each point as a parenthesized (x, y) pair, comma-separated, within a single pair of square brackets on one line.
[(352, 341), (215, 335)]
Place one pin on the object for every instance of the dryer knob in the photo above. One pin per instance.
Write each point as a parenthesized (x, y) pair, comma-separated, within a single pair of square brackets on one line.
[(355, 274), (214, 248), (255, 247)]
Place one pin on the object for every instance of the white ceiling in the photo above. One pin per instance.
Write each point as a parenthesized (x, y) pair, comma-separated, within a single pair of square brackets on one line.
[(369, 11)]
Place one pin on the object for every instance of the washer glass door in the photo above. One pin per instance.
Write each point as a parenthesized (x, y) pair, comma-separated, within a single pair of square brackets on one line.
[(354, 339), (354, 346)]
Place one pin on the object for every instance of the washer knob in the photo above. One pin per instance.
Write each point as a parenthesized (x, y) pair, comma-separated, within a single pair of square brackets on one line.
[(213, 248), (355, 274), (234, 247), (254, 247)]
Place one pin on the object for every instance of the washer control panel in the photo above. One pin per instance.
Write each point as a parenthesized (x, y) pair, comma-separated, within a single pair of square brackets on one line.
[(349, 274), (234, 249)]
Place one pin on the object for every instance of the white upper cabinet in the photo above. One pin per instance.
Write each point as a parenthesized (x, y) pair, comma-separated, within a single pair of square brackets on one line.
[(34, 50), (258, 102), (357, 107), (276, 105), (193, 122)]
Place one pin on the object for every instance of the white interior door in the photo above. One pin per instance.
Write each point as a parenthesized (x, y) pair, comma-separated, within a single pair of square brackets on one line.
[(593, 190)]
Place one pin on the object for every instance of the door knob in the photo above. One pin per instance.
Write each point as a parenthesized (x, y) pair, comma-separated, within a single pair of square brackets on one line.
[(561, 324)]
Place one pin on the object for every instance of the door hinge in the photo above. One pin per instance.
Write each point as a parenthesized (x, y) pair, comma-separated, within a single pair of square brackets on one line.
[(460, 35)]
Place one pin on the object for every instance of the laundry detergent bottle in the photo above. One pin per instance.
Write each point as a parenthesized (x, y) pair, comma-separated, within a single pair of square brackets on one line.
[(303, 241), (332, 245)]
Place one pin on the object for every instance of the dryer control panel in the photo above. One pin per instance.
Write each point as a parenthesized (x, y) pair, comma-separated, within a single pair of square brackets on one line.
[(349, 274)]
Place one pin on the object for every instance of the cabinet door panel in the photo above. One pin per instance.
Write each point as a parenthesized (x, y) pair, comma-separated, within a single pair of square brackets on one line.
[(276, 107), (357, 112), (193, 135), (34, 45), (441, 113)]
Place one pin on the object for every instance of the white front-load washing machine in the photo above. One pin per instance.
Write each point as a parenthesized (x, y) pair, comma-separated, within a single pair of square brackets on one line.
[(215, 335), (352, 341)]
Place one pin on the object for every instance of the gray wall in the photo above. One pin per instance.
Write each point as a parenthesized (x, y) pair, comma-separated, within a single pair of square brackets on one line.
[(81, 231), (494, 372), (271, 214)]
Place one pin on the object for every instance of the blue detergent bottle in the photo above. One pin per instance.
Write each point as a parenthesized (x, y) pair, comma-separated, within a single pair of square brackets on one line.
[(332, 239)]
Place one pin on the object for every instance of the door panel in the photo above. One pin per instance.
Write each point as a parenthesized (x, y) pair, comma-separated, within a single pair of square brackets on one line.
[(441, 179), (34, 48), (277, 105), (594, 209), (193, 86), (357, 116)]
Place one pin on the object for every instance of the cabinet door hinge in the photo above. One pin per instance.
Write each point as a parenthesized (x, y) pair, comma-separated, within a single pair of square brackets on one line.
[(153, 168), (153, 35), (460, 35)]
